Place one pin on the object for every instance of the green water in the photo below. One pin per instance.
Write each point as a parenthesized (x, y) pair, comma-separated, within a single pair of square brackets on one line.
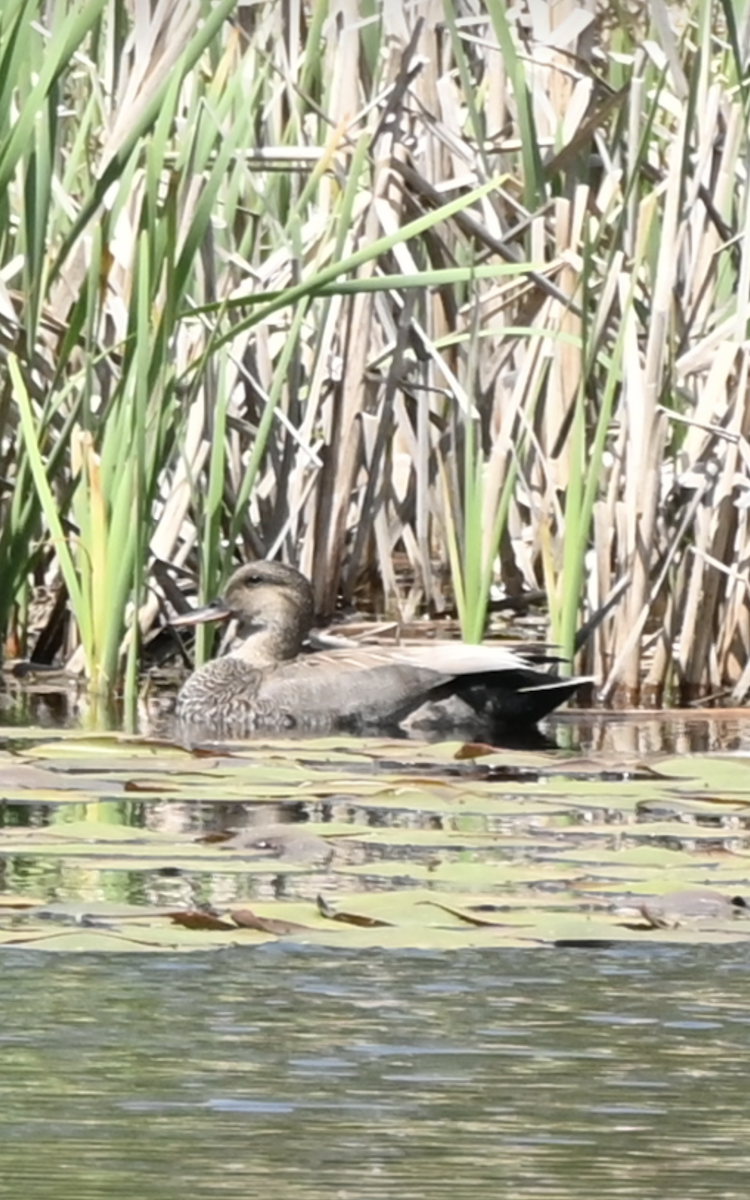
[(290, 1073)]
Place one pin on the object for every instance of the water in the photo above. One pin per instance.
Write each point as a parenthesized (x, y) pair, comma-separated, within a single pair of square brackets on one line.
[(309, 1074)]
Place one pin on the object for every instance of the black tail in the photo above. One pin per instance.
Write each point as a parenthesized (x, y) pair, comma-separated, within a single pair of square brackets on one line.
[(513, 698)]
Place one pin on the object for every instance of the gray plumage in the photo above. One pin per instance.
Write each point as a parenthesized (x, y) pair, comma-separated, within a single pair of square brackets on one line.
[(267, 683)]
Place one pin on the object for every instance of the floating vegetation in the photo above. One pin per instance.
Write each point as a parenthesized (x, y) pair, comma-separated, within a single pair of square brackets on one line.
[(112, 842)]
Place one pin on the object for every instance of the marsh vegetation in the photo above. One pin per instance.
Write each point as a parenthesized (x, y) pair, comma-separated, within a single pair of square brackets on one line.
[(425, 300)]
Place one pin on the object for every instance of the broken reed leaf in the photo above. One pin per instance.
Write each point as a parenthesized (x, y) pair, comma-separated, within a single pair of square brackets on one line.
[(738, 803), (468, 917), (29, 939), (347, 918)]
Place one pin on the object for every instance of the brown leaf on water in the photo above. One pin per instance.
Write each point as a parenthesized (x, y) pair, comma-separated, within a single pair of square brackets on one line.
[(133, 785), (9, 900), (247, 919), (474, 750), (346, 918), (196, 919)]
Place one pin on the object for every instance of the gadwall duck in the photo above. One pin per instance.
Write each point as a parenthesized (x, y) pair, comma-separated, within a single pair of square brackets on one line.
[(268, 683)]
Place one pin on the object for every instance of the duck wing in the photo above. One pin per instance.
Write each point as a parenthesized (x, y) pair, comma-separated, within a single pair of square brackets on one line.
[(501, 686), (350, 687), (377, 685)]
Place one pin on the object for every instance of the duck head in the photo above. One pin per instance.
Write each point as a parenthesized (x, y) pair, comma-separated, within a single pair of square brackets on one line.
[(273, 607)]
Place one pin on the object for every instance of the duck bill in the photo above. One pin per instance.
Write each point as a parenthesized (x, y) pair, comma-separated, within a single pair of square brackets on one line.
[(215, 611)]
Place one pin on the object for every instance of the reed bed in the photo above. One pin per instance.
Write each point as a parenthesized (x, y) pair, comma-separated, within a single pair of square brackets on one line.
[(433, 301)]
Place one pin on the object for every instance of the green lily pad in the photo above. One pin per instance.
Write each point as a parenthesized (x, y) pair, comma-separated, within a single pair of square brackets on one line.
[(410, 838)]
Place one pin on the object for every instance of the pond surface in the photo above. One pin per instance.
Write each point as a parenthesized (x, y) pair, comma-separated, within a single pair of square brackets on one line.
[(116, 842), (305, 1074), (449, 985)]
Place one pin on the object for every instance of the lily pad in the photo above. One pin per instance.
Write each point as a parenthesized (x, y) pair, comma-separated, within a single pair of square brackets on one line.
[(361, 841)]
